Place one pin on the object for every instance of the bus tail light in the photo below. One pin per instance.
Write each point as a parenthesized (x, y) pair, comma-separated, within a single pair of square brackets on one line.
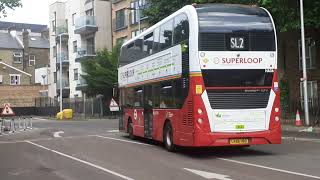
[(200, 121)]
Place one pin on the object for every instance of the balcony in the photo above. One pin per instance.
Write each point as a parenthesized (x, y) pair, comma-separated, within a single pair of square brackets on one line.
[(85, 53), (63, 32), (64, 59), (65, 88), (85, 25), (81, 84)]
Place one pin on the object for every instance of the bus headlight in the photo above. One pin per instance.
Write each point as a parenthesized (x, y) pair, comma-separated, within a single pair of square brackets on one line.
[(277, 118), (200, 111), (200, 121)]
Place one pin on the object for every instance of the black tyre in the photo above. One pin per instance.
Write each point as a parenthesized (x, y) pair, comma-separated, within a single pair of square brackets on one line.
[(130, 130), (168, 138)]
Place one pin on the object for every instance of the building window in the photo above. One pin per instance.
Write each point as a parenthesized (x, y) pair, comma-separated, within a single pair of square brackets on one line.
[(312, 87), (310, 53), (76, 74), (55, 77), (137, 11), (73, 19), (32, 60), (120, 19), (54, 26), (90, 12), (1, 79), (54, 51), (14, 79), (75, 46), (134, 33), (17, 57)]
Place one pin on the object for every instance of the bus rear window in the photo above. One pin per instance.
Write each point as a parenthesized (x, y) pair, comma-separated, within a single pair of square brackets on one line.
[(235, 28), (237, 78)]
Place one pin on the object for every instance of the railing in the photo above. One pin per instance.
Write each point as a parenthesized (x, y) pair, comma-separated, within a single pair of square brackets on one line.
[(85, 21), (81, 82), (65, 83), (64, 57), (88, 50), (62, 30)]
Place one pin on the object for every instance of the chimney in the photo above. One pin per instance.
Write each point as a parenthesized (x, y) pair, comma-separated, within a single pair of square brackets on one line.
[(45, 34), (12, 31), (25, 37)]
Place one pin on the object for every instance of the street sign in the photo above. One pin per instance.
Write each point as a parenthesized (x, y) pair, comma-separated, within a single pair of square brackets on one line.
[(7, 110), (113, 105)]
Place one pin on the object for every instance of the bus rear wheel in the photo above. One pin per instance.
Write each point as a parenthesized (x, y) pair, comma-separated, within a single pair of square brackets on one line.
[(168, 138), (130, 130)]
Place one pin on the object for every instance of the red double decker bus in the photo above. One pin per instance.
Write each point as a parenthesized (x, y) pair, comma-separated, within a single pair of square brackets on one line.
[(204, 76)]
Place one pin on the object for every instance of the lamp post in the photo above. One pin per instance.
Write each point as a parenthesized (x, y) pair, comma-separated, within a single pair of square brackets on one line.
[(60, 71), (304, 79)]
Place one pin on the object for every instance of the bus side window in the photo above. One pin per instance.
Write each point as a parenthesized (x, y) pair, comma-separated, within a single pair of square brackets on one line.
[(138, 53), (130, 50), (128, 97), (156, 40), (181, 28), (166, 95), (156, 91), (138, 97), (166, 34), (147, 45)]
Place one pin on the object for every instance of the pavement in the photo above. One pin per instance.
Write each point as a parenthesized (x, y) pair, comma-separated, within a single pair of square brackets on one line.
[(94, 149)]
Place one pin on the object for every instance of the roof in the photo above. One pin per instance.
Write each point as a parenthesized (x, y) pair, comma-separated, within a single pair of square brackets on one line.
[(15, 69), (9, 42), (37, 28), (37, 42)]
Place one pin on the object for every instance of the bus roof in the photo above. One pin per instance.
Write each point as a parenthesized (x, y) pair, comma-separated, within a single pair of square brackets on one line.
[(235, 9)]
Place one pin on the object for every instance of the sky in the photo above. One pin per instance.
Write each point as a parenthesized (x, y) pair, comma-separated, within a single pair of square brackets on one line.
[(33, 12)]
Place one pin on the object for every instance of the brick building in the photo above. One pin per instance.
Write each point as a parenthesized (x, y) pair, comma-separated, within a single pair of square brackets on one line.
[(127, 16), (290, 66), (24, 60)]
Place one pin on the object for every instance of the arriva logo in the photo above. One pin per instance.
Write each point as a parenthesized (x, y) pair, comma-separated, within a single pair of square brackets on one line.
[(218, 115)]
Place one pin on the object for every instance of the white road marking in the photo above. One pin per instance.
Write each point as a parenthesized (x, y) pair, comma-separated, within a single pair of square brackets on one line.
[(209, 175), (113, 131), (270, 168), (122, 140), (301, 139), (57, 134), (81, 161)]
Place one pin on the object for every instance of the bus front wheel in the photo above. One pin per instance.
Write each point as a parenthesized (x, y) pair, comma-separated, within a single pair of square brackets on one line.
[(168, 138)]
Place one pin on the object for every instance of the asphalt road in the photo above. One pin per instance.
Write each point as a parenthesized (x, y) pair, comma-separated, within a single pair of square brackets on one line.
[(83, 150)]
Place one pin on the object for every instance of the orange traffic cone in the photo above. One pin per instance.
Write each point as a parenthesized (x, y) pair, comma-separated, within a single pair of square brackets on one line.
[(298, 120)]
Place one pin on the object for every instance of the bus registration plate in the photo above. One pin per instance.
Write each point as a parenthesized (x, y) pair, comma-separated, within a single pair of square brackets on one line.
[(238, 141)]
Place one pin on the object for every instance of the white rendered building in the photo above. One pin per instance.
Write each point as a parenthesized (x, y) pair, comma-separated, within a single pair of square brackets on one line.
[(83, 27)]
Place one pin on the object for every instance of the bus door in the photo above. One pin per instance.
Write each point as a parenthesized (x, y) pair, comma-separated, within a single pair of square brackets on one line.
[(148, 111)]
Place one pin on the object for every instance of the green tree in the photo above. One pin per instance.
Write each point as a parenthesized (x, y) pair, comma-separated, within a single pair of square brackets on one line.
[(286, 13), (11, 4), (101, 72)]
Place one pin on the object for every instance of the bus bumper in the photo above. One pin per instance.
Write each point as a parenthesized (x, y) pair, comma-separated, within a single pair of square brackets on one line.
[(223, 139)]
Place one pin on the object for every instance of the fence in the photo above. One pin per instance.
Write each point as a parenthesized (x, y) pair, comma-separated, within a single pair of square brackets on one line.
[(289, 112), (82, 108)]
